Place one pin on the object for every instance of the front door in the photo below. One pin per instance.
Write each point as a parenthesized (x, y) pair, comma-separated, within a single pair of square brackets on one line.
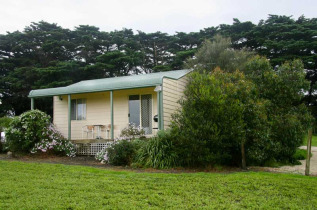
[(140, 111)]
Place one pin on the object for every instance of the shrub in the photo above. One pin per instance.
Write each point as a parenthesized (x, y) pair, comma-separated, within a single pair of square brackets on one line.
[(27, 130), (131, 132), (55, 142), (5, 122), (261, 108), (102, 156), (159, 152), (288, 118), (32, 132), (122, 152), (216, 113), (300, 154)]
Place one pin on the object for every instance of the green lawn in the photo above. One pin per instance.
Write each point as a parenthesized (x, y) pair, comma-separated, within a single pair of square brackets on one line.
[(313, 143), (47, 186)]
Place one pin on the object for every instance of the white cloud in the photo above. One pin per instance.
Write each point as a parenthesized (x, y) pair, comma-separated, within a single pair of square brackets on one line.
[(146, 15)]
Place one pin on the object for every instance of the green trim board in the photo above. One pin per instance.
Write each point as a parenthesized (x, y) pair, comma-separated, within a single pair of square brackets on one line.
[(158, 111), (108, 84), (161, 111), (32, 103)]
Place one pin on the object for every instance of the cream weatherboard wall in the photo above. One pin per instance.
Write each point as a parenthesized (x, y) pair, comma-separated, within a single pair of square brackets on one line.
[(173, 90), (98, 111)]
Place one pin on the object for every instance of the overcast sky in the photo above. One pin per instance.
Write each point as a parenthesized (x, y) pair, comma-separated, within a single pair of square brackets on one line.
[(146, 15)]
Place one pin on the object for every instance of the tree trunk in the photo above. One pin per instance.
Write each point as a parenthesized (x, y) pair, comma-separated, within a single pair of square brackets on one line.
[(310, 133), (244, 164)]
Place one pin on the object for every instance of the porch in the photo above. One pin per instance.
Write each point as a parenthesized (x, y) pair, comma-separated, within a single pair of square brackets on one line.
[(103, 115)]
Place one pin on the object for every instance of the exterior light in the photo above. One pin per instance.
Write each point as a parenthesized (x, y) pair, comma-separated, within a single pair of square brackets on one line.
[(158, 88)]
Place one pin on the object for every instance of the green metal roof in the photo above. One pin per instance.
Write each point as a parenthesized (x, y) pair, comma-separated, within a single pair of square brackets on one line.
[(114, 83)]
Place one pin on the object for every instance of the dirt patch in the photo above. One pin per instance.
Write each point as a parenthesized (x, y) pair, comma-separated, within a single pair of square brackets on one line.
[(296, 169), (90, 161)]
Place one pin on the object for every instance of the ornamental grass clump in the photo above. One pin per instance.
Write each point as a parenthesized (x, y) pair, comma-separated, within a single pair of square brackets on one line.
[(159, 152)]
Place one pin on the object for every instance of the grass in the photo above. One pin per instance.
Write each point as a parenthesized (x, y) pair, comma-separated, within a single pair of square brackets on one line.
[(51, 186), (313, 143)]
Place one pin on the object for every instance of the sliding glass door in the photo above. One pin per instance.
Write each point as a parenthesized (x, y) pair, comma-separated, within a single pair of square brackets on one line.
[(140, 111)]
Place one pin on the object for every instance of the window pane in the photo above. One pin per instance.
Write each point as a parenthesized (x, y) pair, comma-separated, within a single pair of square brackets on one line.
[(79, 109), (84, 109), (134, 110), (73, 111)]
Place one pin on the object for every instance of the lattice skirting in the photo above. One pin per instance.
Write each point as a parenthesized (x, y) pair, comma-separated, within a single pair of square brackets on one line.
[(91, 148)]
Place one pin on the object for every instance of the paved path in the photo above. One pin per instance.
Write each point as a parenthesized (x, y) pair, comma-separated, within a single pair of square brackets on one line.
[(299, 169)]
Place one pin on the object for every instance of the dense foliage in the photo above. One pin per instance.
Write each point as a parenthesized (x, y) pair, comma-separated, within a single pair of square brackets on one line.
[(219, 53), (4, 122), (27, 130), (32, 131), (46, 55), (261, 108), (123, 152), (158, 152), (220, 111), (287, 116), (55, 142)]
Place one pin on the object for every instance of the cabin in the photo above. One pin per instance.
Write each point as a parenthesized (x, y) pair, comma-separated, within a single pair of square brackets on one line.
[(101, 108)]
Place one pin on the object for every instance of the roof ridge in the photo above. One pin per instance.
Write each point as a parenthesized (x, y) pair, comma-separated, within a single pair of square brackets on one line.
[(161, 72)]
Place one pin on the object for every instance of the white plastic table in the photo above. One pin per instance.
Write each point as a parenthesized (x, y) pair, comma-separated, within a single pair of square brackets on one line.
[(98, 131)]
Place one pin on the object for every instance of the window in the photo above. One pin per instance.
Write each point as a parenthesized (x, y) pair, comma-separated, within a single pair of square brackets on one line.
[(134, 110), (78, 109)]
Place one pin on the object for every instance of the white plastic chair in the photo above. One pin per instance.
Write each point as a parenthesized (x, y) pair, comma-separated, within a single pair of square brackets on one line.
[(88, 129)]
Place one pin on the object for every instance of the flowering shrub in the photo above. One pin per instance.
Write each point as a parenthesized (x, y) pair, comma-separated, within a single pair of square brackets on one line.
[(55, 142), (131, 132), (123, 149), (119, 153), (32, 131), (102, 156), (27, 130)]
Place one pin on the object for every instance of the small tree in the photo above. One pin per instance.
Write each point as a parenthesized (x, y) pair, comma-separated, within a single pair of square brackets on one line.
[(217, 112), (219, 53), (288, 117)]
